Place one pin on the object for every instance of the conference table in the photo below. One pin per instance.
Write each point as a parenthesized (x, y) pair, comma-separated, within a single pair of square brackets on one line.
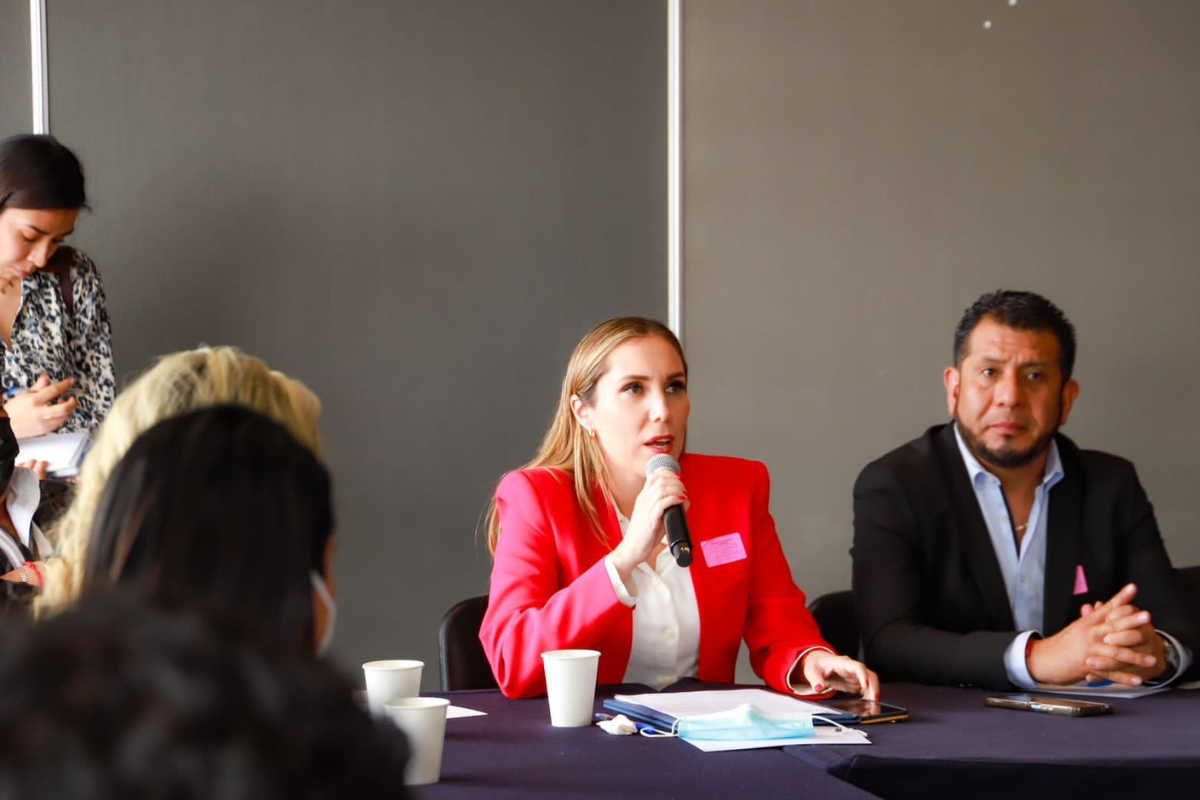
[(1148, 747), (514, 752), (952, 746)]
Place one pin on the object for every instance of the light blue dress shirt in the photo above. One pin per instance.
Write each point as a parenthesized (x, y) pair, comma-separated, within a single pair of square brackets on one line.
[(1024, 570)]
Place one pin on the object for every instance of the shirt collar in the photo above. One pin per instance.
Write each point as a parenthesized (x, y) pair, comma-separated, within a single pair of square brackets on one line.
[(1052, 474), (24, 494)]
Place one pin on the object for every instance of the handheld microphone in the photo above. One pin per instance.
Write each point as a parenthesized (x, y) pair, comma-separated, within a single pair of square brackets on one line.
[(678, 539)]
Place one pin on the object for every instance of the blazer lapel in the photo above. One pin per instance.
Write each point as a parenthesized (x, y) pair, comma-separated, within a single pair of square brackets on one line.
[(1063, 536), (972, 531)]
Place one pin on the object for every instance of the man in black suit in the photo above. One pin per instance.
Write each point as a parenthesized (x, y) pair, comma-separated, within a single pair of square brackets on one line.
[(992, 551)]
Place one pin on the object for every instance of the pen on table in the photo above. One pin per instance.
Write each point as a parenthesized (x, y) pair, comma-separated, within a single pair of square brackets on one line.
[(641, 726)]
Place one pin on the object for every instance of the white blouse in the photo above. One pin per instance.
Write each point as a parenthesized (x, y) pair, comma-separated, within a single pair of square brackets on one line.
[(666, 619)]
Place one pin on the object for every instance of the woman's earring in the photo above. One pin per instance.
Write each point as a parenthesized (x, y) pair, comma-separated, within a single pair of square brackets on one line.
[(591, 433)]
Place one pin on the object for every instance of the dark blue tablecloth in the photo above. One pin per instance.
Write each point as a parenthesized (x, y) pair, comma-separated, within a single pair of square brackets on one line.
[(514, 752), (955, 746)]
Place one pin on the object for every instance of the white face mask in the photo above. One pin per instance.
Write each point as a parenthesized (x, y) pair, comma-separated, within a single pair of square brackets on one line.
[(322, 592)]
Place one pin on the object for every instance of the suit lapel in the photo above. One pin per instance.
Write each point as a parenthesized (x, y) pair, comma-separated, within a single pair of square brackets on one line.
[(972, 531), (1063, 533)]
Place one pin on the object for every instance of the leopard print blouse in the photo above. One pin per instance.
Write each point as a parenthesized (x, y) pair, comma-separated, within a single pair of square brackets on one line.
[(45, 338)]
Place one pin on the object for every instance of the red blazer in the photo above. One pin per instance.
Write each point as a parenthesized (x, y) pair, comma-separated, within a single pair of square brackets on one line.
[(550, 589)]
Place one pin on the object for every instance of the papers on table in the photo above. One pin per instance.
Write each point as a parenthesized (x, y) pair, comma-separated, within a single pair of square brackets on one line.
[(454, 712), (689, 704), (64, 451), (674, 705)]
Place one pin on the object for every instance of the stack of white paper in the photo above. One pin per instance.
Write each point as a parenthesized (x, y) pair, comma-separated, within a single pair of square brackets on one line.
[(64, 451)]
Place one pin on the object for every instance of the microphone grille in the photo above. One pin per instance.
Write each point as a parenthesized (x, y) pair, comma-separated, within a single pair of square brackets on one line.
[(661, 461)]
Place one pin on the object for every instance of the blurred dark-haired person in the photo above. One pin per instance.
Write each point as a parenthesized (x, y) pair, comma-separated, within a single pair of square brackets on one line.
[(581, 558), (221, 506), (994, 552), (58, 369), (117, 699)]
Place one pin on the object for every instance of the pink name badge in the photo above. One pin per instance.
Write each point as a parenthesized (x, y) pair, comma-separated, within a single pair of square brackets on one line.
[(1080, 581), (723, 549)]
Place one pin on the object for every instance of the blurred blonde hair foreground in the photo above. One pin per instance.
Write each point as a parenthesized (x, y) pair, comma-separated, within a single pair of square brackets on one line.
[(178, 383)]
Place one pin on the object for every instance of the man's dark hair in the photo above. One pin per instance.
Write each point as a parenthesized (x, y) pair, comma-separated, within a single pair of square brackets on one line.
[(221, 505), (118, 699), (1022, 311)]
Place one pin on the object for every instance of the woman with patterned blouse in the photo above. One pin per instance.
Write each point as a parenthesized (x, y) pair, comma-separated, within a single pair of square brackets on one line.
[(58, 371)]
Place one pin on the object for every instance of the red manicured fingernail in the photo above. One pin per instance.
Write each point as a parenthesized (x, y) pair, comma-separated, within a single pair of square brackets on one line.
[(819, 688)]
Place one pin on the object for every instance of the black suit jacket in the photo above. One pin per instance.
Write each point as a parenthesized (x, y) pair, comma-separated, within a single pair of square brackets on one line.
[(930, 595)]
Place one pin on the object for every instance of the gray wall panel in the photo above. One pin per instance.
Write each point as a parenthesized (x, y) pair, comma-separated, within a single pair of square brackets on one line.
[(856, 173), (16, 112), (415, 207)]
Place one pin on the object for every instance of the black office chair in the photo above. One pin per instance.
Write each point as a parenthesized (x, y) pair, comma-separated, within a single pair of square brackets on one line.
[(836, 618), (460, 653), (1189, 583)]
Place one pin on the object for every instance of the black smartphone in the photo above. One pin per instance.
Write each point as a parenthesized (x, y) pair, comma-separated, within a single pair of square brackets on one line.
[(868, 711), (1060, 706)]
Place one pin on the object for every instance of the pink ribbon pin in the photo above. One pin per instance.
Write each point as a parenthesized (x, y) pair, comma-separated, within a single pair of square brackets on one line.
[(1081, 586)]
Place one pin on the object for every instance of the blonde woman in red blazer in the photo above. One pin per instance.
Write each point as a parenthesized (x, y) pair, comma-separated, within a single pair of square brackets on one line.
[(578, 530)]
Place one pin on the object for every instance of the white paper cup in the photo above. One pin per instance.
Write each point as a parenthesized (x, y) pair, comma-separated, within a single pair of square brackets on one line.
[(423, 720), (391, 680), (571, 686)]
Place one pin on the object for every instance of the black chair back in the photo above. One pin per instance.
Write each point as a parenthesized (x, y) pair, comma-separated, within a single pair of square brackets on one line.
[(837, 620), (1189, 583), (462, 662)]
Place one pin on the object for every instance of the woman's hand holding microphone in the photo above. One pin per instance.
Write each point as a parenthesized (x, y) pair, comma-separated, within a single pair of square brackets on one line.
[(644, 535)]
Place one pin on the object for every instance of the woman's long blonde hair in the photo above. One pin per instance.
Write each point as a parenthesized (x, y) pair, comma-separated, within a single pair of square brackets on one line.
[(566, 447), (180, 382)]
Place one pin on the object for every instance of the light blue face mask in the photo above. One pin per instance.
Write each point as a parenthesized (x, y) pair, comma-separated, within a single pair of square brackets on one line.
[(745, 722)]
